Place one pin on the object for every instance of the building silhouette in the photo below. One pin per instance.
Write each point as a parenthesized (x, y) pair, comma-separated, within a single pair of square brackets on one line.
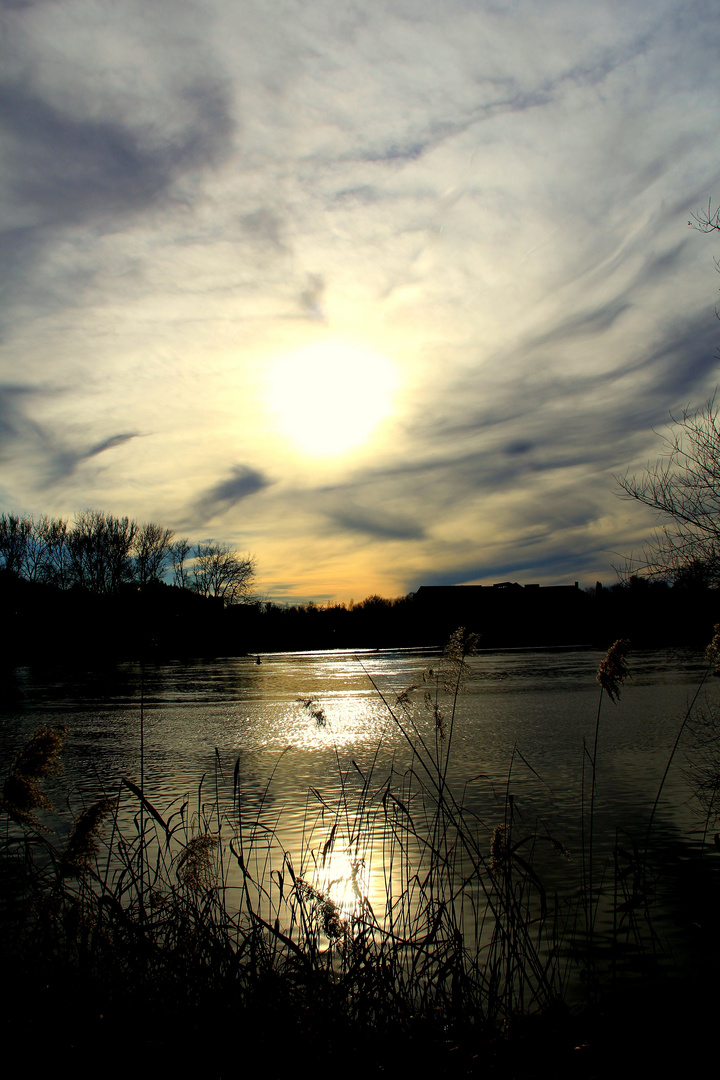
[(506, 613)]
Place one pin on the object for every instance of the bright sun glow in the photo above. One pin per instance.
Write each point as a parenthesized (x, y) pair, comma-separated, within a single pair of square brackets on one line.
[(331, 396)]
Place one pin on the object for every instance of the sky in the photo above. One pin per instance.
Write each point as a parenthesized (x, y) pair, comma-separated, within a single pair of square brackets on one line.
[(383, 293)]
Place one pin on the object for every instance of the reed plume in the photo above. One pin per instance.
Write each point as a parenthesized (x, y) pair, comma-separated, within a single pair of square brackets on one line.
[(195, 868), (712, 652), (324, 906), (611, 675), (613, 669), (460, 645), (499, 852), (40, 757), (83, 841)]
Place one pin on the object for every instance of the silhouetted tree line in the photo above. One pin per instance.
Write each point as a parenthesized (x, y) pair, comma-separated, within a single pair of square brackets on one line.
[(373, 623), (102, 554), (655, 612), (99, 586), (649, 613), (107, 587)]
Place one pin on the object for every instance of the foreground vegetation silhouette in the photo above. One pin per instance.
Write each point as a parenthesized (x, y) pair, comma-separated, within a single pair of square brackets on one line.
[(191, 934)]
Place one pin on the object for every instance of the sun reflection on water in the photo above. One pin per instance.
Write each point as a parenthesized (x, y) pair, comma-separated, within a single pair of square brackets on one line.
[(342, 720), (344, 880)]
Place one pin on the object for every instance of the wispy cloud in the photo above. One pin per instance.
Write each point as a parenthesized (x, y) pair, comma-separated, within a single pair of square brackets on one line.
[(223, 496), (495, 197), (376, 523), (14, 421), (58, 462)]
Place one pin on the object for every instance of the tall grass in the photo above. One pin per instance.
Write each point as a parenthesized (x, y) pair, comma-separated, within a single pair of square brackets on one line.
[(401, 911)]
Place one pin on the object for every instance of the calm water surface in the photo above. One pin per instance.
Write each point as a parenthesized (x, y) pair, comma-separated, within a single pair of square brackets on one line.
[(520, 726)]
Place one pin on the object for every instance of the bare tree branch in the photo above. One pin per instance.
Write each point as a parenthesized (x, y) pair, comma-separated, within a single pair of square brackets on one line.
[(221, 572), (179, 551), (152, 550), (683, 486)]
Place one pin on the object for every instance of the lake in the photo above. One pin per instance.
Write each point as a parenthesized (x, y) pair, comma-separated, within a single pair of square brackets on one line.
[(520, 726)]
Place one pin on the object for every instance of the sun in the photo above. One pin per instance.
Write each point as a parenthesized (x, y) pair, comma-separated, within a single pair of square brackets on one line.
[(331, 396)]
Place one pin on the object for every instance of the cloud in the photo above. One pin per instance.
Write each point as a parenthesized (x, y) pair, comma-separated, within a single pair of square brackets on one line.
[(554, 565), (499, 205), (363, 195), (110, 443), (520, 446), (223, 496), (37, 448), (311, 298), (91, 171), (681, 364), (376, 523), (583, 323), (265, 226), (59, 462), (14, 423), (73, 168)]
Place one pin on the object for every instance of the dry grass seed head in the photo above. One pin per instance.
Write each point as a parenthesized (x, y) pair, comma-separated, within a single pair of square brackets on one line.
[(403, 698), (21, 796), (499, 851), (83, 840), (560, 848), (459, 646), (327, 909), (332, 923), (38, 758), (195, 869), (613, 669), (41, 754), (712, 653)]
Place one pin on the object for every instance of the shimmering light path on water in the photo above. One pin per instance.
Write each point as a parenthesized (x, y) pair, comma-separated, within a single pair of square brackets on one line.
[(520, 726)]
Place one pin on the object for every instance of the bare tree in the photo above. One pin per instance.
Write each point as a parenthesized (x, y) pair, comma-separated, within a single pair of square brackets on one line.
[(100, 550), (35, 550), (706, 221), (221, 572), (57, 563), (179, 551), (101, 553), (683, 486), (15, 532), (151, 546)]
